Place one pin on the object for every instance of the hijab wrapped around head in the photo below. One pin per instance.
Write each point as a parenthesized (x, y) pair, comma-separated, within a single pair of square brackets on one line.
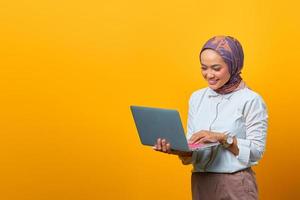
[(232, 53)]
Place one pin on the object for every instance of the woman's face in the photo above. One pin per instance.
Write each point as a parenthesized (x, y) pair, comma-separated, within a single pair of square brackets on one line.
[(214, 70)]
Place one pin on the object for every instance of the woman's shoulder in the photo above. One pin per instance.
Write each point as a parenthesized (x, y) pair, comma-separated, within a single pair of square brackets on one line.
[(251, 97), (250, 94)]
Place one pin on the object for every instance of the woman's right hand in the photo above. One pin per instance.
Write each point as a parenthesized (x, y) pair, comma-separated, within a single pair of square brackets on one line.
[(164, 146)]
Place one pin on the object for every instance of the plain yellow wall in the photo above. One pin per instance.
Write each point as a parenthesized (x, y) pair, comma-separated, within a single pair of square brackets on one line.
[(71, 69)]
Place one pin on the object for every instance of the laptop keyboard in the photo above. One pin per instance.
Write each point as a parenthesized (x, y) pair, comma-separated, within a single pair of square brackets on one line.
[(201, 145)]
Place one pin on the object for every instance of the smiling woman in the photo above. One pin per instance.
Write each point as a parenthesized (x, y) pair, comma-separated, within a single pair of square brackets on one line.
[(214, 69), (229, 112)]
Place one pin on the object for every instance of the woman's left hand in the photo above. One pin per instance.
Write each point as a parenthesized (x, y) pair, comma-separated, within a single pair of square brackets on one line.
[(206, 137)]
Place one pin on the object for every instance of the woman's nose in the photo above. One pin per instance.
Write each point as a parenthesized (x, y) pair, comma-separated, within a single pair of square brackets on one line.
[(210, 75)]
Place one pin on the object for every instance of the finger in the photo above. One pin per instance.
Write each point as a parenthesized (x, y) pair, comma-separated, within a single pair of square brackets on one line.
[(155, 147), (196, 137), (211, 140), (202, 140), (159, 144), (192, 139), (168, 145), (207, 140), (202, 132), (163, 145)]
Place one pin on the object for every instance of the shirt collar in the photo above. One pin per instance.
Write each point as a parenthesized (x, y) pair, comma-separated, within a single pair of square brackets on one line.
[(213, 94)]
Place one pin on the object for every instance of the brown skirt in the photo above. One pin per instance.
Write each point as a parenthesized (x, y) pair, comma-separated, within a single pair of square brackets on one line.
[(240, 185)]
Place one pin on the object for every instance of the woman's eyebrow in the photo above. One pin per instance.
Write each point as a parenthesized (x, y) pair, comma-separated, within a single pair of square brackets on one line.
[(214, 65)]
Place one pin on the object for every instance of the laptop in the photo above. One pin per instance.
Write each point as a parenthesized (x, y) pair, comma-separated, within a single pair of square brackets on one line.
[(153, 123)]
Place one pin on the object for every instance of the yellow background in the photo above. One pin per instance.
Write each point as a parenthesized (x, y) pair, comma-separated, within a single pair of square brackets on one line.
[(71, 69)]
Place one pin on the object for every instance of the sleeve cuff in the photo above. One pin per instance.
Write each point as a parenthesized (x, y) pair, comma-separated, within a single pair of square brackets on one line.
[(244, 150)]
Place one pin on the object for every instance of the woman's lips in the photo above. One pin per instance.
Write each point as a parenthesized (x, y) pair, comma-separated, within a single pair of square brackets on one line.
[(212, 82)]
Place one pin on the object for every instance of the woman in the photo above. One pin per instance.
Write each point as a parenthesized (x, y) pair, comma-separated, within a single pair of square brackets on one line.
[(229, 112)]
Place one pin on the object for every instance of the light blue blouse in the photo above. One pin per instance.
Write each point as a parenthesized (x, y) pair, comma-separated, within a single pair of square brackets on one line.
[(242, 114)]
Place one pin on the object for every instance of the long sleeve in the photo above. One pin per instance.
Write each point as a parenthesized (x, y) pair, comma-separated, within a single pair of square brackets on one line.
[(252, 148)]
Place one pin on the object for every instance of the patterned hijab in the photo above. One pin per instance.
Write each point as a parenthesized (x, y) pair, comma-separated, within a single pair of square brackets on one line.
[(232, 53)]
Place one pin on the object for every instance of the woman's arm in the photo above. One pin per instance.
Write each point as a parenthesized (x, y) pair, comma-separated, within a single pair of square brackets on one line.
[(256, 122)]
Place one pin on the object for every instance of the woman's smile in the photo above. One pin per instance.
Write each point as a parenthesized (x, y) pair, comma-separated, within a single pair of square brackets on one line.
[(212, 82)]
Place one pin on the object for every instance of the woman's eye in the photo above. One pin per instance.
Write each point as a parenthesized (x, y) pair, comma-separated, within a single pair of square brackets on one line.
[(217, 69), (203, 68)]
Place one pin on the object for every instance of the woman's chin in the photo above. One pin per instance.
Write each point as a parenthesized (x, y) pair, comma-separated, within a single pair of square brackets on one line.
[(213, 87)]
